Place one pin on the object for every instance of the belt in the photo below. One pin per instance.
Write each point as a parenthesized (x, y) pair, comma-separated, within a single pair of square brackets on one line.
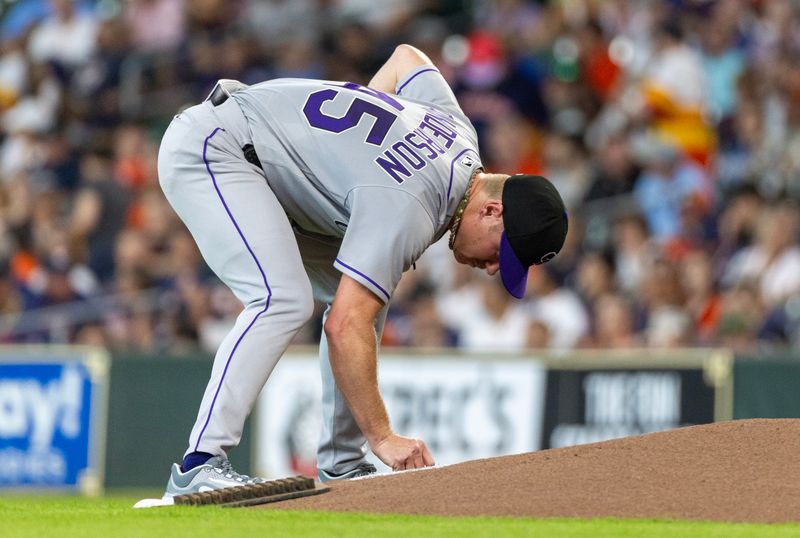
[(219, 94), (223, 89)]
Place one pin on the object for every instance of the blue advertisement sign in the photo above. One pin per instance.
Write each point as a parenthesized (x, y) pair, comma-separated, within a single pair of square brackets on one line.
[(49, 423)]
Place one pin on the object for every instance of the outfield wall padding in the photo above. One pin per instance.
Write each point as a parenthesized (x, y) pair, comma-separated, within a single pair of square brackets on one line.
[(766, 387), (153, 403)]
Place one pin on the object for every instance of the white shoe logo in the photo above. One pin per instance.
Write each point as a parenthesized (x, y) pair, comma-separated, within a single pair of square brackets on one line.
[(219, 483)]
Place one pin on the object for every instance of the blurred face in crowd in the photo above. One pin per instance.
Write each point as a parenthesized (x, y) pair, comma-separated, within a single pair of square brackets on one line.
[(594, 276), (696, 273), (716, 39), (427, 329), (739, 220), (559, 152), (777, 229), (613, 318), (748, 122), (662, 285), (63, 8), (615, 158), (130, 251), (630, 234), (540, 282), (158, 219), (95, 168), (510, 140), (741, 315)]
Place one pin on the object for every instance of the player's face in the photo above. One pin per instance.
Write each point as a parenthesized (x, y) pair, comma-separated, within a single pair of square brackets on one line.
[(477, 243)]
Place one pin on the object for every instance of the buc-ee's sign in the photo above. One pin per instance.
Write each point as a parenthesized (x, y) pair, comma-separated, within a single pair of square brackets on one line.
[(464, 409)]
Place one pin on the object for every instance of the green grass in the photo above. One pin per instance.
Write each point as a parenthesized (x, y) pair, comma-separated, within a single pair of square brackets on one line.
[(113, 516)]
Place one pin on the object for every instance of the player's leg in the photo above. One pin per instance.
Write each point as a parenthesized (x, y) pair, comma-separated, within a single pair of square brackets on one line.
[(246, 239), (342, 449)]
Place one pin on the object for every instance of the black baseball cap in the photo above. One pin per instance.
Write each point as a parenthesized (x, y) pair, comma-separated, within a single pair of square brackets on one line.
[(535, 221)]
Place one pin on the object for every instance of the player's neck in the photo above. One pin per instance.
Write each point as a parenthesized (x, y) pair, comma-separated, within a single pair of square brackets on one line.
[(455, 222)]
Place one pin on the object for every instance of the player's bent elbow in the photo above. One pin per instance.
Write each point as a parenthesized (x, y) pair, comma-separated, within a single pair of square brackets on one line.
[(404, 49), (335, 328), (342, 325), (410, 56)]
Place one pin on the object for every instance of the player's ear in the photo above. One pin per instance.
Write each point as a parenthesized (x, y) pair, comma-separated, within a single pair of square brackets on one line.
[(492, 208)]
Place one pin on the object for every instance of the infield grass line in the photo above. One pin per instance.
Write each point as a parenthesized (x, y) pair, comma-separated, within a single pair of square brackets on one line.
[(67, 517)]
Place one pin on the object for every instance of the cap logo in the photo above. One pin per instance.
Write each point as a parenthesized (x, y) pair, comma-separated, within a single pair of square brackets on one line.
[(546, 258)]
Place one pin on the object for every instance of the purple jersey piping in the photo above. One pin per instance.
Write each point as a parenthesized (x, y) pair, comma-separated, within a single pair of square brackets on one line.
[(263, 276), (356, 271), (415, 75), (450, 184)]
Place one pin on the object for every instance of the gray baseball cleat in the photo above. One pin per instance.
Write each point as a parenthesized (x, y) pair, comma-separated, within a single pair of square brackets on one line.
[(363, 469), (216, 473)]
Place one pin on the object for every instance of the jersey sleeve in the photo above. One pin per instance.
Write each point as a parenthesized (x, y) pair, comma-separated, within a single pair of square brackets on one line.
[(388, 230), (426, 83)]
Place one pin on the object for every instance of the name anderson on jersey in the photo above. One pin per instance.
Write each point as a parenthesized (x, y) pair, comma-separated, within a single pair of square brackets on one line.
[(418, 147)]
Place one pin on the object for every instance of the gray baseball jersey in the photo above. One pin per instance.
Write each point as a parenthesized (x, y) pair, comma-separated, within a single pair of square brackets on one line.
[(380, 174), (367, 181)]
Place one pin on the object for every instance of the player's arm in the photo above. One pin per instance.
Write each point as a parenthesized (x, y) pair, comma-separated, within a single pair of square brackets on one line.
[(401, 62), (352, 344)]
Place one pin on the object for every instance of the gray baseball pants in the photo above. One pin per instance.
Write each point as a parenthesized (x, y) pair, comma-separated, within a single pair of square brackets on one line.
[(246, 238)]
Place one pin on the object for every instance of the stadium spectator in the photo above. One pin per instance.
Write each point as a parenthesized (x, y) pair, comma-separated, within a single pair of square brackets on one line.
[(703, 301), (501, 324), (155, 25), (773, 261), (557, 307), (675, 90), (740, 318), (613, 169), (633, 251), (66, 38), (98, 213), (566, 165), (613, 323), (594, 277), (426, 328)]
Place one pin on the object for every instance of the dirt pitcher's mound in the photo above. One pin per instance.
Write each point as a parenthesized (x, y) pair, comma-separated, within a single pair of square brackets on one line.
[(746, 471)]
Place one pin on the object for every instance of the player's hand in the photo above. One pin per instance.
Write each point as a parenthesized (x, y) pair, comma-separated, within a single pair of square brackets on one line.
[(401, 453)]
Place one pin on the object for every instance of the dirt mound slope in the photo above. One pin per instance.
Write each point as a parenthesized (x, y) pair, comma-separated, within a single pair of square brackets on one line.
[(745, 471)]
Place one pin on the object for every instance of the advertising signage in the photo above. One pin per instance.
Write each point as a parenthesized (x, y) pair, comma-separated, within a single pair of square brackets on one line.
[(52, 412)]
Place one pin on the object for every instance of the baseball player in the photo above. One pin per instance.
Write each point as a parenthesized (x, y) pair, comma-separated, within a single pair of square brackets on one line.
[(300, 189)]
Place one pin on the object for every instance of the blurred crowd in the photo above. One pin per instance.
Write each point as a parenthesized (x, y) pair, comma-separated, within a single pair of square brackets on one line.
[(671, 128)]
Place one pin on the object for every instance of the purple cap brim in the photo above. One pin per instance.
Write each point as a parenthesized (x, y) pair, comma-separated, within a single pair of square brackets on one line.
[(512, 272)]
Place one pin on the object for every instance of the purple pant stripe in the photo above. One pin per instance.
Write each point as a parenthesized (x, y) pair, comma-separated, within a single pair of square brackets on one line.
[(263, 276)]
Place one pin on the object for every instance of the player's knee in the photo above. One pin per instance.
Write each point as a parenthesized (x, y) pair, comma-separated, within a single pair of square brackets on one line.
[(301, 298), (307, 309)]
